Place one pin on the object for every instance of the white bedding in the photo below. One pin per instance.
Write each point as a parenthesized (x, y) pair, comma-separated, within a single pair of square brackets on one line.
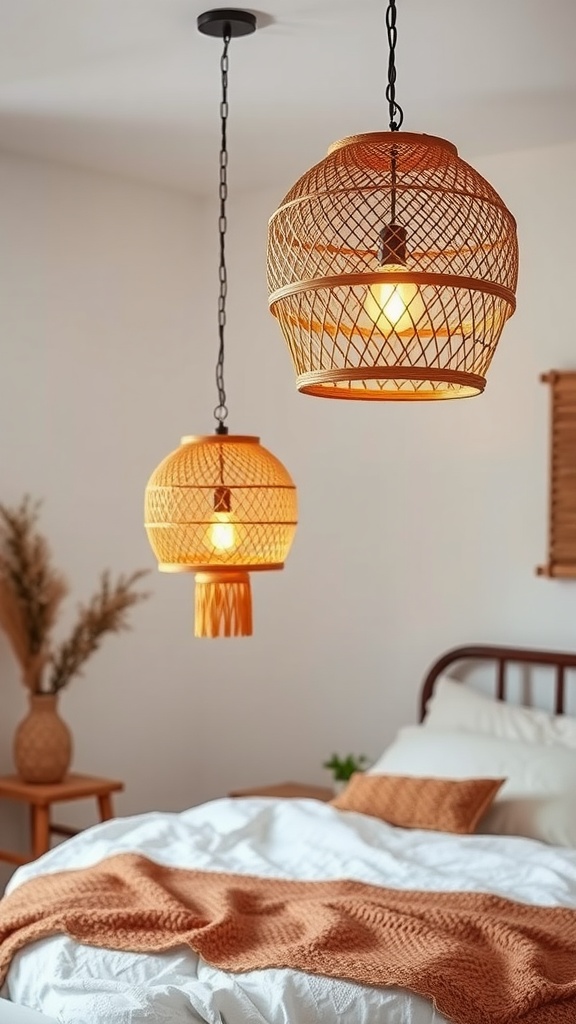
[(287, 839)]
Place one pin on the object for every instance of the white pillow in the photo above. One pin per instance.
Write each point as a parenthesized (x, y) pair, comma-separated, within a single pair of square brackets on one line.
[(538, 800), (455, 706)]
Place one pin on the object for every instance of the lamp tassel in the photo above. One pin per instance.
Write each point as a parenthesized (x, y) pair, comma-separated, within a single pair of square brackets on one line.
[(223, 604)]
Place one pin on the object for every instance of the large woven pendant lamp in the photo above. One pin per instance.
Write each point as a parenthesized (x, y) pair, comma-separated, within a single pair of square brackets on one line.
[(392, 266), (221, 506)]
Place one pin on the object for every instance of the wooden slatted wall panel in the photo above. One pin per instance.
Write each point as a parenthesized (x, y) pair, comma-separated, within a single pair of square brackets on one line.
[(562, 512)]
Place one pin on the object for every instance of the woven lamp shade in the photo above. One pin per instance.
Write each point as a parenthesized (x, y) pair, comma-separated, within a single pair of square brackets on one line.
[(221, 506), (337, 304)]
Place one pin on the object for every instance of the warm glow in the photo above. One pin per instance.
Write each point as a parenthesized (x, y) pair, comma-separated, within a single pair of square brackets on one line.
[(394, 308), (222, 532)]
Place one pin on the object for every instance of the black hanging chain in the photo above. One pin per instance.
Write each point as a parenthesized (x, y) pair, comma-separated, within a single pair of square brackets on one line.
[(395, 110), (221, 410)]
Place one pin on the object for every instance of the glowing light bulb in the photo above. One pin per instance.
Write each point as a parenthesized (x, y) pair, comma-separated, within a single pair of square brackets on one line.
[(222, 532), (394, 308)]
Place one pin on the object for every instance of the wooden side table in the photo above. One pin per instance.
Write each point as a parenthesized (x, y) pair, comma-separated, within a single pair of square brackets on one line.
[(298, 790), (40, 799)]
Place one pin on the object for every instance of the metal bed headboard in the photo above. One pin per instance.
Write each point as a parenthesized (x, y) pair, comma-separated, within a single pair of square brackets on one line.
[(560, 661)]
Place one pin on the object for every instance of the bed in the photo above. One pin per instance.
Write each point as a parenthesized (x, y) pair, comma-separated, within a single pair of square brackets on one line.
[(522, 847)]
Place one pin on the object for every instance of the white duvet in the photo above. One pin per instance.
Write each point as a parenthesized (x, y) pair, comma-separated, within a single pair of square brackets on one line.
[(275, 838)]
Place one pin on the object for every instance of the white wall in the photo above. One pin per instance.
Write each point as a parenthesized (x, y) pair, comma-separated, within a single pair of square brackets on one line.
[(420, 526), (98, 298)]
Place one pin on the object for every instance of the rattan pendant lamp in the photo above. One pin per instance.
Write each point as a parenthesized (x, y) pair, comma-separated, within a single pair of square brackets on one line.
[(221, 506), (392, 266)]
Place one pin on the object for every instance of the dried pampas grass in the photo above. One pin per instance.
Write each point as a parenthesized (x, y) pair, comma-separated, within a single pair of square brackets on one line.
[(31, 592)]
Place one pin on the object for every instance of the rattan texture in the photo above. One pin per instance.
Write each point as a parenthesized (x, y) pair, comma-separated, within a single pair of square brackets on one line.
[(462, 254), (562, 494), (180, 504)]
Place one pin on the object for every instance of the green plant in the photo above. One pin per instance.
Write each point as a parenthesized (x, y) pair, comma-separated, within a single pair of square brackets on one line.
[(31, 592), (343, 767)]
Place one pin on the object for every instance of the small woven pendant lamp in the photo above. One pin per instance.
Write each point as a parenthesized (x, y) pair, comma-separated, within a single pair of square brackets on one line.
[(392, 266), (221, 506)]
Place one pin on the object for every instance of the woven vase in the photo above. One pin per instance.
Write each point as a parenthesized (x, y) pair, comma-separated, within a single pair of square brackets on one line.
[(42, 742)]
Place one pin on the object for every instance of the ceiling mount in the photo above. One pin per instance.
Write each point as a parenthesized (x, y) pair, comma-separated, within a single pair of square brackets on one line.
[(238, 23)]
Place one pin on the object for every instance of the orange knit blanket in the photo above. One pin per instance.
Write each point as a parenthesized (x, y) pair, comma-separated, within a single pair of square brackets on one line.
[(481, 959)]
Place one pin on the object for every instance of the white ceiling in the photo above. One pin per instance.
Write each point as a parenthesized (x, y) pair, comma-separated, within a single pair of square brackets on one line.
[(131, 87)]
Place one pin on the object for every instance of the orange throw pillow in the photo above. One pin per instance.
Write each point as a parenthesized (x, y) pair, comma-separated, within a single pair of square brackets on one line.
[(443, 805)]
